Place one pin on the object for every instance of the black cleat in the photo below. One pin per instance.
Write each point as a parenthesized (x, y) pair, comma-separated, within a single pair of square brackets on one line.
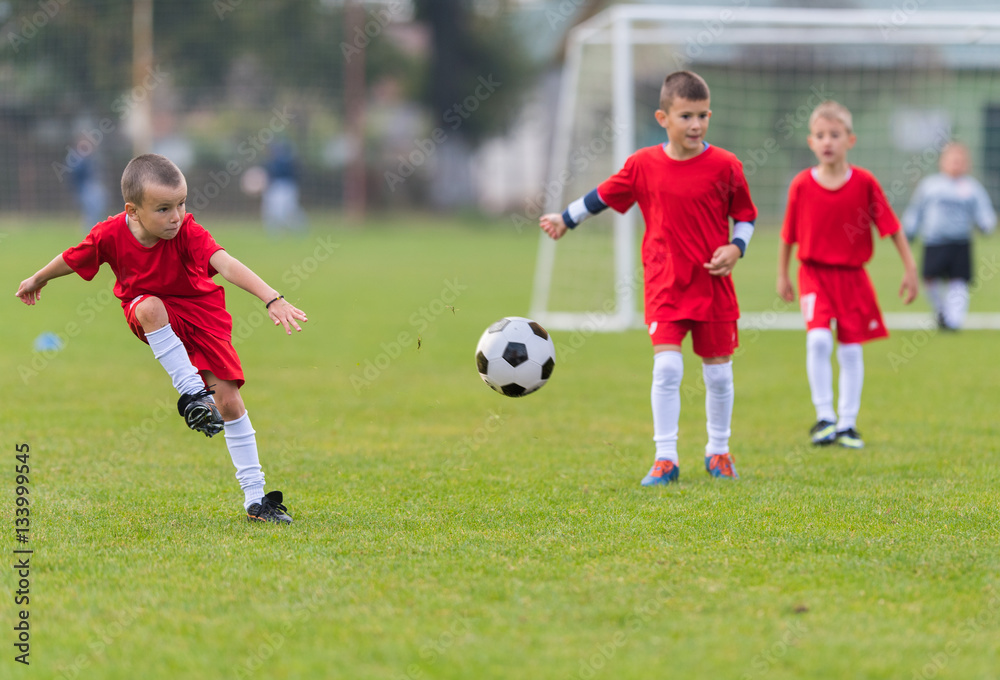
[(823, 433), (269, 509), (200, 413)]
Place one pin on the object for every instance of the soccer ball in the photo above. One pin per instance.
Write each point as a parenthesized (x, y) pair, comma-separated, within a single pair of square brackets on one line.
[(515, 356)]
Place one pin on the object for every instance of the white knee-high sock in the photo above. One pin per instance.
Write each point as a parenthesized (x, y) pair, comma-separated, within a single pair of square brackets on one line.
[(241, 439), (819, 370), (172, 355), (852, 380), (668, 370), (936, 294), (956, 303), (718, 406)]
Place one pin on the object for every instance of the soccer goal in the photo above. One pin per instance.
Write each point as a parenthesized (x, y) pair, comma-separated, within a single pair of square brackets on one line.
[(913, 79)]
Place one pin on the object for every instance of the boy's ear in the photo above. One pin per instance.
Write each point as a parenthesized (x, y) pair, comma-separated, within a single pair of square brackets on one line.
[(661, 117), (130, 209), (851, 138)]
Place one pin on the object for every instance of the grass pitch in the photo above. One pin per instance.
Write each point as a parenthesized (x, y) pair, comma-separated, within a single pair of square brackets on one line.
[(443, 531)]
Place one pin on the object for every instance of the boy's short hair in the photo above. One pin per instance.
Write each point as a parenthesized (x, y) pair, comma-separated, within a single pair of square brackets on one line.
[(149, 168), (831, 110), (684, 85)]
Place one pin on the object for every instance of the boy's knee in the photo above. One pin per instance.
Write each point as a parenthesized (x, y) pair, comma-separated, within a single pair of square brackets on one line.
[(820, 340), (151, 313)]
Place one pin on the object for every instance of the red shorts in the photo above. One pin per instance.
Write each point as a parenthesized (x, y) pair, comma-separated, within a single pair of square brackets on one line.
[(844, 294), (206, 351), (709, 338)]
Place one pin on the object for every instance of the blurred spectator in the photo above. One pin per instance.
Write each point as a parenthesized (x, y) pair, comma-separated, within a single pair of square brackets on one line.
[(91, 196), (279, 205)]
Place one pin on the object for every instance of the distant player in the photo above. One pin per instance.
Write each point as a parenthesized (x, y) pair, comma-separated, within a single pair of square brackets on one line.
[(830, 213), (944, 208), (687, 191), (164, 263)]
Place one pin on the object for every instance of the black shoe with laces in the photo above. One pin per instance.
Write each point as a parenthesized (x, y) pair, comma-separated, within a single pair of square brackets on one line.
[(823, 433), (200, 413), (269, 509)]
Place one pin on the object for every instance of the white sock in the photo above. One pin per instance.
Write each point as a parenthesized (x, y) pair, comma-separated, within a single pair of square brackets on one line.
[(668, 370), (241, 440), (819, 350), (718, 406), (172, 355), (852, 379), (935, 293), (956, 303)]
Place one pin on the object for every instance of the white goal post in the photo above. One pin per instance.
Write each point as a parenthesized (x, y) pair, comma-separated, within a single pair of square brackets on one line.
[(601, 54)]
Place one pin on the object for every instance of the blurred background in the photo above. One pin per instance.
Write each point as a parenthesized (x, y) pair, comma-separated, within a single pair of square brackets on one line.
[(402, 104)]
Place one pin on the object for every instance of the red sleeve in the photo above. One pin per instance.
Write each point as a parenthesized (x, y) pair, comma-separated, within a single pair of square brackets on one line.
[(789, 228), (741, 207), (84, 258), (617, 191), (881, 212), (200, 246)]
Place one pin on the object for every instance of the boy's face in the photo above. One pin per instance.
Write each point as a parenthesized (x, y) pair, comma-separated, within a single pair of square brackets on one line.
[(954, 161), (830, 140), (162, 210), (686, 124)]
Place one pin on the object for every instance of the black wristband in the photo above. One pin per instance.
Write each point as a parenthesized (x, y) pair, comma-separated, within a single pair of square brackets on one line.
[(268, 305)]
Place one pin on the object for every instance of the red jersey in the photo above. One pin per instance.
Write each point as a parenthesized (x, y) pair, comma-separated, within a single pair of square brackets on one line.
[(834, 227), (686, 206), (176, 268)]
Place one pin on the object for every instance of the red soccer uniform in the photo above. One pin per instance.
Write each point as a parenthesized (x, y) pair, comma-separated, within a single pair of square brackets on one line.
[(833, 231), (834, 227), (178, 272), (686, 206)]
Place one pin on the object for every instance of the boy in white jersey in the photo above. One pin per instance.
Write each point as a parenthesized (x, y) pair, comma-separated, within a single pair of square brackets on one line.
[(944, 208)]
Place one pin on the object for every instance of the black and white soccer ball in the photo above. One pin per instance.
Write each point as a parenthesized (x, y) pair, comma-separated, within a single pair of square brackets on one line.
[(515, 356)]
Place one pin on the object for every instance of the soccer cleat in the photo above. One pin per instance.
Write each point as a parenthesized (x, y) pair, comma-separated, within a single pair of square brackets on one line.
[(663, 472), (721, 465), (200, 412), (269, 509), (823, 433), (850, 439)]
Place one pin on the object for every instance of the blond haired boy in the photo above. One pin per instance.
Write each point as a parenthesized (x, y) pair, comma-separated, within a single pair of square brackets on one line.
[(831, 209)]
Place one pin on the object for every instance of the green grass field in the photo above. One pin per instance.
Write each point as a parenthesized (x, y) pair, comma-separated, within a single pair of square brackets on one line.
[(444, 531)]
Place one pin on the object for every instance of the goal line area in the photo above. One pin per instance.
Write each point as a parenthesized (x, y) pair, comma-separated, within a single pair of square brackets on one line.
[(913, 81)]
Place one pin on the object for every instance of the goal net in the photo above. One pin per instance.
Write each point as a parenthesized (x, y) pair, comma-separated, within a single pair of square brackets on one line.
[(913, 79)]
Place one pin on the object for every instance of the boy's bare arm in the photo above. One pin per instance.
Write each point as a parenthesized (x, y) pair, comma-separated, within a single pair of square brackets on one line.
[(785, 289), (280, 310), (30, 290), (908, 288)]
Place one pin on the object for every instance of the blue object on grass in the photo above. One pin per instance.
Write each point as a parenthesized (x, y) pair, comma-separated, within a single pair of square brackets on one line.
[(48, 342)]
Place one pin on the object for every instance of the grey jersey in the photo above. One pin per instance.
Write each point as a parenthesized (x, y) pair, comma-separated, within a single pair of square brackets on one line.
[(944, 209)]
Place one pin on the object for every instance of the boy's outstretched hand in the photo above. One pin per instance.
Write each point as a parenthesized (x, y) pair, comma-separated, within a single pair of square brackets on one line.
[(29, 291), (288, 315), (723, 260), (553, 225)]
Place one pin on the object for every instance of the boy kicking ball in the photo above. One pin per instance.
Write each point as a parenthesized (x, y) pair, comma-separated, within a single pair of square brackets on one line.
[(164, 262)]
